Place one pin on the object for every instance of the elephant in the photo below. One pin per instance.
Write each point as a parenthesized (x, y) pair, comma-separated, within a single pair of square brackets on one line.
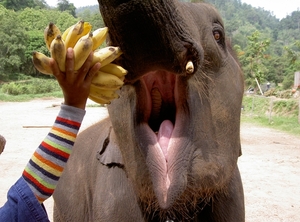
[(168, 149)]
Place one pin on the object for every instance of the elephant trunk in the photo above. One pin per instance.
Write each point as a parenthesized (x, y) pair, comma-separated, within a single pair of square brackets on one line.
[(152, 35)]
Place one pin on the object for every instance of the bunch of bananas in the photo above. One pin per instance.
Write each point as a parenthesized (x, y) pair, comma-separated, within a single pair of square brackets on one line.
[(79, 36)]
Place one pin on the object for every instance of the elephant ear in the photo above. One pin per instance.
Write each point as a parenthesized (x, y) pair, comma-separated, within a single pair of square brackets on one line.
[(110, 154)]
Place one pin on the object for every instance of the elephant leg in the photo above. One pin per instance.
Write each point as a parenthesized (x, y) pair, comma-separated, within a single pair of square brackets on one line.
[(227, 206)]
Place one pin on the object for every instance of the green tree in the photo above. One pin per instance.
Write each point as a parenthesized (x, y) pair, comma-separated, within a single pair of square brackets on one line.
[(21, 33), (12, 44), (17, 5), (253, 57), (293, 58), (35, 42), (293, 54), (34, 21), (40, 4), (94, 18), (65, 5)]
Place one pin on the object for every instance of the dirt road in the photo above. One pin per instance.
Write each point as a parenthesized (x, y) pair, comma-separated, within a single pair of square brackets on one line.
[(270, 164)]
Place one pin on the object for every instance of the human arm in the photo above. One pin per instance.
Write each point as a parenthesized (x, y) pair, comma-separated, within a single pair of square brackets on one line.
[(24, 199), (48, 161)]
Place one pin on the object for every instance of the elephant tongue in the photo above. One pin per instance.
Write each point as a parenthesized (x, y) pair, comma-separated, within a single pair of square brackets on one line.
[(164, 135)]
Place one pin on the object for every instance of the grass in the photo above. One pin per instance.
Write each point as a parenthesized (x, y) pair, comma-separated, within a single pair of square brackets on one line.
[(289, 125), (25, 90), (27, 97), (284, 113), (29, 89)]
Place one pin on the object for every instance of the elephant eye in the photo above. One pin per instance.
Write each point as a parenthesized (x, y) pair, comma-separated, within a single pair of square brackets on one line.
[(217, 36)]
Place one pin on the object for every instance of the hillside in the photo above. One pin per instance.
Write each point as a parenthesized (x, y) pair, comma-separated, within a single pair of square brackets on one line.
[(268, 48)]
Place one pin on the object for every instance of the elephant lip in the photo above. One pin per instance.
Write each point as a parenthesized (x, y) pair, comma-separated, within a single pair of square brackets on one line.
[(160, 130)]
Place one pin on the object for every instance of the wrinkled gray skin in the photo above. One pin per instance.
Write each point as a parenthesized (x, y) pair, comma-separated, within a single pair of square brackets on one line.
[(168, 150)]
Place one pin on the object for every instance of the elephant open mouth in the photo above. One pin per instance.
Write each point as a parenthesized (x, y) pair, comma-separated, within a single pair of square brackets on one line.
[(159, 114), (161, 119)]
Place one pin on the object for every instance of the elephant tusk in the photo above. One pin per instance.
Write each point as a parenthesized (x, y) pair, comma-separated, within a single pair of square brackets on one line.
[(189, 68)]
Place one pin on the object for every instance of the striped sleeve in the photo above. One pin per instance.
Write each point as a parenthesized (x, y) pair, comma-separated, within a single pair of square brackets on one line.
[(48, 161)]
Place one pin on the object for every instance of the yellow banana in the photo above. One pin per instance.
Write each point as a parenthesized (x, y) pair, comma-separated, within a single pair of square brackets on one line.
[(50, 33), (65, 33), (114, 69), (106, 55), (58, 52), (104, 94), (82, 49), (99, 36), (96, 99), (107, 81), (122, 78), (41, 63), (80, 29)]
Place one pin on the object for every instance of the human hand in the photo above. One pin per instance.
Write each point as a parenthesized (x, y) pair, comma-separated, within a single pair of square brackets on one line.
[(75, 84)]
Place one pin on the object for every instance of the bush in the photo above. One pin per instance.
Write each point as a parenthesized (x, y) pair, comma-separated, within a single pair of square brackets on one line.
[(260, 106), (285, 94), (34, 86), (284, 115), (286, 107)]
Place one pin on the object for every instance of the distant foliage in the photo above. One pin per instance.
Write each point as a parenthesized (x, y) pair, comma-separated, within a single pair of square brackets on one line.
[(65, 5), (23, 23), (260, 106), (17, 5), (34, 86), (284, 94)]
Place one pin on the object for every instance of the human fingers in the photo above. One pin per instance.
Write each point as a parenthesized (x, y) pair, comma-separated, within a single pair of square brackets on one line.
[(55, 69), (85, 70), (93, 72), (70, 65)]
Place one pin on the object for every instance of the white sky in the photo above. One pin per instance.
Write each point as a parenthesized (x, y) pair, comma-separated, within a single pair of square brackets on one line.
[(280, 8)]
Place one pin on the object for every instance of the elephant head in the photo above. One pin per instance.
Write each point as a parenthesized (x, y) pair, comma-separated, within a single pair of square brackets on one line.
[(177, 127)]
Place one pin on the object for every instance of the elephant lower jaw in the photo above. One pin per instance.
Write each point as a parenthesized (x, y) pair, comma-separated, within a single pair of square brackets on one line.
[(168, 183)]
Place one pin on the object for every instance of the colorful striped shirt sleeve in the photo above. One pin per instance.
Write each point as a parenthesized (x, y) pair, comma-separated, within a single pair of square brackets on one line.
[(48, 161)]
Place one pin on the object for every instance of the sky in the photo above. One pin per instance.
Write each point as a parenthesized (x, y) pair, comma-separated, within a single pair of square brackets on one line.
[(279, 8)]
